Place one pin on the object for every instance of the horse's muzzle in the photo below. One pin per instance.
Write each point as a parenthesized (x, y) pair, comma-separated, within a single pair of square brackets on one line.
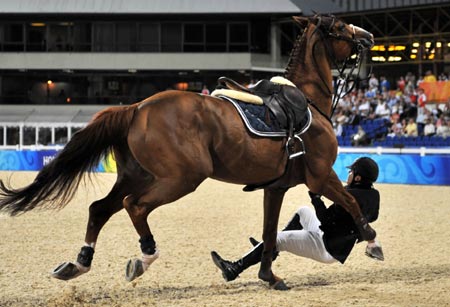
[(367, 42)]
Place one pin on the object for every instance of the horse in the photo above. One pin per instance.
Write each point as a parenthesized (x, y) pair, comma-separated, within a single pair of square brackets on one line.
[(166, 145)]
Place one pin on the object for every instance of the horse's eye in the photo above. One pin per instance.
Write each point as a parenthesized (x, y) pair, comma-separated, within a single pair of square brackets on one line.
[(341, 27)]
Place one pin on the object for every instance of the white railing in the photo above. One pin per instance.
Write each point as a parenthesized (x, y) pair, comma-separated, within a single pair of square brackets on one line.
[(12, 141), (386, 150)]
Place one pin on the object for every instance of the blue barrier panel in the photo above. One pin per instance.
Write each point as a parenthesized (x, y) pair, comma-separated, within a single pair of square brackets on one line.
[(30, 160), (25, 160), (402, 168), (394, 168)]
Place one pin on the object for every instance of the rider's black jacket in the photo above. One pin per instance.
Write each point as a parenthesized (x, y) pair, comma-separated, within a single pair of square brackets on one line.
[(339, 230)]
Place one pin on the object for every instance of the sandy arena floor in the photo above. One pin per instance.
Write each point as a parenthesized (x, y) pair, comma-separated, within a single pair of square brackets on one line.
[(413, 227)]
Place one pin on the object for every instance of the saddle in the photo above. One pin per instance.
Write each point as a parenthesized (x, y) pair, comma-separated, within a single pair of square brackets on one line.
[(286, 102)]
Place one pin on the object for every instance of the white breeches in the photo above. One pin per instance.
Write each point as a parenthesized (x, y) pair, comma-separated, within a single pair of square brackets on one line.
[(307, 242)]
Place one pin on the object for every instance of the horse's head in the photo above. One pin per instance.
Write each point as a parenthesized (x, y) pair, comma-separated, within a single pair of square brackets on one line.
[(326, 42), (340, 38)]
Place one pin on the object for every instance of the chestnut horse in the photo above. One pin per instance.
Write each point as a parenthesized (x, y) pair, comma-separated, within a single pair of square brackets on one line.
[(166, 145)]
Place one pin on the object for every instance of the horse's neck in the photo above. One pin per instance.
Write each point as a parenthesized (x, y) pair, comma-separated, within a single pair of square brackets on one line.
[(304, 73)]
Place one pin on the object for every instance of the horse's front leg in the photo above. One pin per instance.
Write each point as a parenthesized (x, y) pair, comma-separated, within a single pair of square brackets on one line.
[(273, 198), (334, 191)]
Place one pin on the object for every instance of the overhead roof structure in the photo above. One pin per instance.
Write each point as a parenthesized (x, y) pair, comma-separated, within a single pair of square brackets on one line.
[(148, 7), (305, 7)]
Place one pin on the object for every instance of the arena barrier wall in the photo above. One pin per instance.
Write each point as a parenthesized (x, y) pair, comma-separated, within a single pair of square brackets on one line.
[(34, 160), (403, 168)]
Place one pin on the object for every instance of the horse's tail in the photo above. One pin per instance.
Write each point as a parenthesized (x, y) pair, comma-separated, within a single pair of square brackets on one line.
[(57, 182)]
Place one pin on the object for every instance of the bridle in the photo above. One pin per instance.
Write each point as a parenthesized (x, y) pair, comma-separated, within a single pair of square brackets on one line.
[(343, 77)]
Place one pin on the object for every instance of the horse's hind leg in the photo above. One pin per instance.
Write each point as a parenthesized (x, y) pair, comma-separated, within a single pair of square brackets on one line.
[(99, 213), (160, 192), (129, 179)]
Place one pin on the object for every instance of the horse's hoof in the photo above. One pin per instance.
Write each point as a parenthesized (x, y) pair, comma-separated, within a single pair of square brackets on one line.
[(68, 270), (134, 269), (280, 286)]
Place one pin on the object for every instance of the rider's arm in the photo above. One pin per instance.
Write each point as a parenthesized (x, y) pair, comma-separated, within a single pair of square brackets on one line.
[(319, 206)]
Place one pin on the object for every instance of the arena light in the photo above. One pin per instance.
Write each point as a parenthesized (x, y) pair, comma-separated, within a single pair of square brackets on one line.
[(37, 24), (378, 48), (394, 59), (413, 56), (438, 44), (431, 56), (428, 44), (181, 86), (413, 50), (49, 82), (415, 44), (396, 48), (378, 59)]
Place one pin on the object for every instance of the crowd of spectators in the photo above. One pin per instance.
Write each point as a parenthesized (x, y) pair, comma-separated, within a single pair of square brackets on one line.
[(402, 106)]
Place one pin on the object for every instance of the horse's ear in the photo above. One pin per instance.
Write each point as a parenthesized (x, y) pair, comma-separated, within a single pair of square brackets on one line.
[(301, 21)]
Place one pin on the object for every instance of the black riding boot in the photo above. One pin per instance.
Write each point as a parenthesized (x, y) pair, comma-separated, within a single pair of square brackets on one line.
[(294, 223), (231, 270)]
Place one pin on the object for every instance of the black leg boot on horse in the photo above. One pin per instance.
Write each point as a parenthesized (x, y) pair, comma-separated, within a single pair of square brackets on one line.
[(137, 267)]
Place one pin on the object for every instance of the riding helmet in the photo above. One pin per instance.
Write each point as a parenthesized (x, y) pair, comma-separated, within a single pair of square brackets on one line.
[(366, 168)]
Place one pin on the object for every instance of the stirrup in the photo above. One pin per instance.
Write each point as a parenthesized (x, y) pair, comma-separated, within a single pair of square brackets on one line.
[(290, 145)]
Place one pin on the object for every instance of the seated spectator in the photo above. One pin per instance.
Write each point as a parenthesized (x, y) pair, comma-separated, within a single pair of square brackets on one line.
[(446, 109), (444, 129), (342, 118), (410, 80), (354, 118), (338, 128), (396, 128), (373, 82), (346, 102), (360, 137), (411, 128), (394, 116), (382, 109), (436, 112), (430, 128), (429, 76), (392, 99), (371, 92), (440, 120), (401, 84), (364, 108), (385, 85), (442, 77)]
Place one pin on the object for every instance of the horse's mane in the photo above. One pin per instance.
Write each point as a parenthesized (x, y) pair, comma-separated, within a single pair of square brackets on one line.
[(294, 58)]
